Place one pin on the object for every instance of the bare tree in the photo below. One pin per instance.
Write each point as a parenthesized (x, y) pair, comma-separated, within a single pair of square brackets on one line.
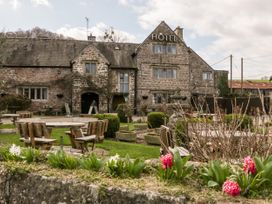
[(111, 35)]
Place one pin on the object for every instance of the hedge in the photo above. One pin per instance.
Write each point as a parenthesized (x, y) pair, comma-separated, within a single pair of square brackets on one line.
[(156, 119)]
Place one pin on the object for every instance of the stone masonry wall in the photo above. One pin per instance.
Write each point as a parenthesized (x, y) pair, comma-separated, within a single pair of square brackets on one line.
[(147, 60), (24, 188), (39, 77), (93, 55)]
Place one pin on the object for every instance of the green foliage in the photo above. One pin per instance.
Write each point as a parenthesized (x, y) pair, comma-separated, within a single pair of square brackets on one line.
[(31, 155), (264, 166), (223, 85), (14, 102), (248, 183), (124, 112), (134, 167), (5, 155), (242, 121), (91, 162), (156, 119), (115, 166), (178, 171), (181, 133), (215, 174), (61, 160), (114, 123)]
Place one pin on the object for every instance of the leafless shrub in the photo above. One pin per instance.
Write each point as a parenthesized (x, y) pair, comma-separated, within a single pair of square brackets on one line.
[(216, 139)]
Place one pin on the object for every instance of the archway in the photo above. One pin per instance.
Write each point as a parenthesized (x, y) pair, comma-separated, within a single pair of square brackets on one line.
[(87, 99)]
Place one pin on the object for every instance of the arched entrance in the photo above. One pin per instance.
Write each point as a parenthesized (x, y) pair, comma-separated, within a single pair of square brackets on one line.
[(87, 99), (116, 100)]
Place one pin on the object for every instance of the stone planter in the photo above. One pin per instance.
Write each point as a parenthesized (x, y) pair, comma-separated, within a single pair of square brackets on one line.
[(128, 136), (152, 138), (124, 128), (142, 126)]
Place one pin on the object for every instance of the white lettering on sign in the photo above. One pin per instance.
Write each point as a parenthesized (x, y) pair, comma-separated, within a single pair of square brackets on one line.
[(163, 37)]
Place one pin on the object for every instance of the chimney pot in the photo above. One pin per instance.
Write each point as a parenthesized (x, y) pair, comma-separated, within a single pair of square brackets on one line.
[(179, 32), (91, 38)]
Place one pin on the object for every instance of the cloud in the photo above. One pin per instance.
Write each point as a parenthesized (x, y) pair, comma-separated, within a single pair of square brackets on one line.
[(41, 2), (242, 28), (15, 4), (98, 30)]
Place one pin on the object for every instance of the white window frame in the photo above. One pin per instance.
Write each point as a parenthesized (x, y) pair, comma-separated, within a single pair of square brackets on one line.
[(207, 76), (26, 91), (92, 65), (163, 73), (170, 49), (123, 84)]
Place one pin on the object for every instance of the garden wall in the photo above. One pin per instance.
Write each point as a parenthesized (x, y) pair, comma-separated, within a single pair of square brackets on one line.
[(18, 186)]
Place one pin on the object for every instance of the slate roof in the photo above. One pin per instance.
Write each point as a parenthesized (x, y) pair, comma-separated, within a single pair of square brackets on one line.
[(59, 53), (251, 85)]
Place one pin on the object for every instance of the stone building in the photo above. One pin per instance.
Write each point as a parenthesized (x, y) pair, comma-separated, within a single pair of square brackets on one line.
[(52, 72)]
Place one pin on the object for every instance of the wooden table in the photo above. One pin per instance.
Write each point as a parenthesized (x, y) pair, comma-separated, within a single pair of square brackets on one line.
[(11, 115), (64, 124)]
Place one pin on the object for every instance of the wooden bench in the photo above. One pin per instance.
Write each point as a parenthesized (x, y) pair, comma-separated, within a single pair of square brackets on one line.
[(80, 141), (35, 135), (168, 144)]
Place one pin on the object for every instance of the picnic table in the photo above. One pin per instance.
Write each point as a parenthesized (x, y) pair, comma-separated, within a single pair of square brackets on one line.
[(10, 115)]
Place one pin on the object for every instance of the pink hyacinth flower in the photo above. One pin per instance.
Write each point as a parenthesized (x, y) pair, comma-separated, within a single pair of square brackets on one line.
[(249, 165), (167, 161), (231, 188)]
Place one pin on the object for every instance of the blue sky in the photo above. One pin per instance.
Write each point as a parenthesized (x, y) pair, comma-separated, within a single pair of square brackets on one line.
[(214, 29)]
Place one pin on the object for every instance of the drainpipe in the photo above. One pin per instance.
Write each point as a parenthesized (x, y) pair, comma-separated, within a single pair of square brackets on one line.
[(135, 90)]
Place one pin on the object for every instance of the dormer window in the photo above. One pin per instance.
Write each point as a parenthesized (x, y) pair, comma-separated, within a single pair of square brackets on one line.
[(164, 49), (90, 68)]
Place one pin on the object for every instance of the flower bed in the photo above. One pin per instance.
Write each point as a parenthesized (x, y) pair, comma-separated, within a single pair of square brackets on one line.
[(171, 176)]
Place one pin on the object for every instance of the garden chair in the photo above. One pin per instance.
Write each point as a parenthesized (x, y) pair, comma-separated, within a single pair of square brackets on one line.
[(80, 141), (168, 145), (102, 128), (35, 135)]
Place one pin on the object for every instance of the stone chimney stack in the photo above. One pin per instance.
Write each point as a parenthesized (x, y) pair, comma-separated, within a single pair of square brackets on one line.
[(91, 38), (179, 32)]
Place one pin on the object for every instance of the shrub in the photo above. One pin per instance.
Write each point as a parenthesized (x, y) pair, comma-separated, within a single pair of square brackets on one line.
[(14, 102), (243, 121), (31, 155), (156, 119), (63, 161), (134, 167), (124, 112), (114, 123), (181, 133)]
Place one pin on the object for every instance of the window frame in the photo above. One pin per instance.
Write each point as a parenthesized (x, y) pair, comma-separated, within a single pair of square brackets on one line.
[(163, 73), (207, 76), (90, 68), (32, 92), (124, 83), (165, 48)]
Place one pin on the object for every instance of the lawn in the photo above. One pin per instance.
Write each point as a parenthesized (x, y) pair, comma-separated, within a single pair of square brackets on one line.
[(113, 147)]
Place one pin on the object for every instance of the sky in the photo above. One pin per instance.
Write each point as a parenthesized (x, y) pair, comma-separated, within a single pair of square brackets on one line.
[(214, 29)]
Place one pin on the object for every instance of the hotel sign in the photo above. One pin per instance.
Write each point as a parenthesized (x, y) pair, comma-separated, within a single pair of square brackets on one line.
[(163, 37)]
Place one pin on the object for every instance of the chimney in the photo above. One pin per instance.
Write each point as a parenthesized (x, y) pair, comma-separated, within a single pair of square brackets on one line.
[(179, 32), (91, 38)]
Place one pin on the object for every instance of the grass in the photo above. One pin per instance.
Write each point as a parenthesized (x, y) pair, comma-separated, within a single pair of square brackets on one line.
[(114, 147), (133, 150), (130, 125), (7, 126)]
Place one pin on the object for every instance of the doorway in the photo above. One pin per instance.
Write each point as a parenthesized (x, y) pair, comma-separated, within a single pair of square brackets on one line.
[(116, 100), (88, 99)]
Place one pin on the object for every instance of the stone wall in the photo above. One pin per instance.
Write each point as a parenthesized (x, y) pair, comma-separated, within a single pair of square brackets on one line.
[(24, 188), (100, 79), (147, 60), (58, 93)]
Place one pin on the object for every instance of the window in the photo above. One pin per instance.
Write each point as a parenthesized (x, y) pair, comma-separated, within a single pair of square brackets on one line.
[(34, 93), (161, 98), (163, 73), (123, 79), (90, 68), (164, 49), (207, 76)]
